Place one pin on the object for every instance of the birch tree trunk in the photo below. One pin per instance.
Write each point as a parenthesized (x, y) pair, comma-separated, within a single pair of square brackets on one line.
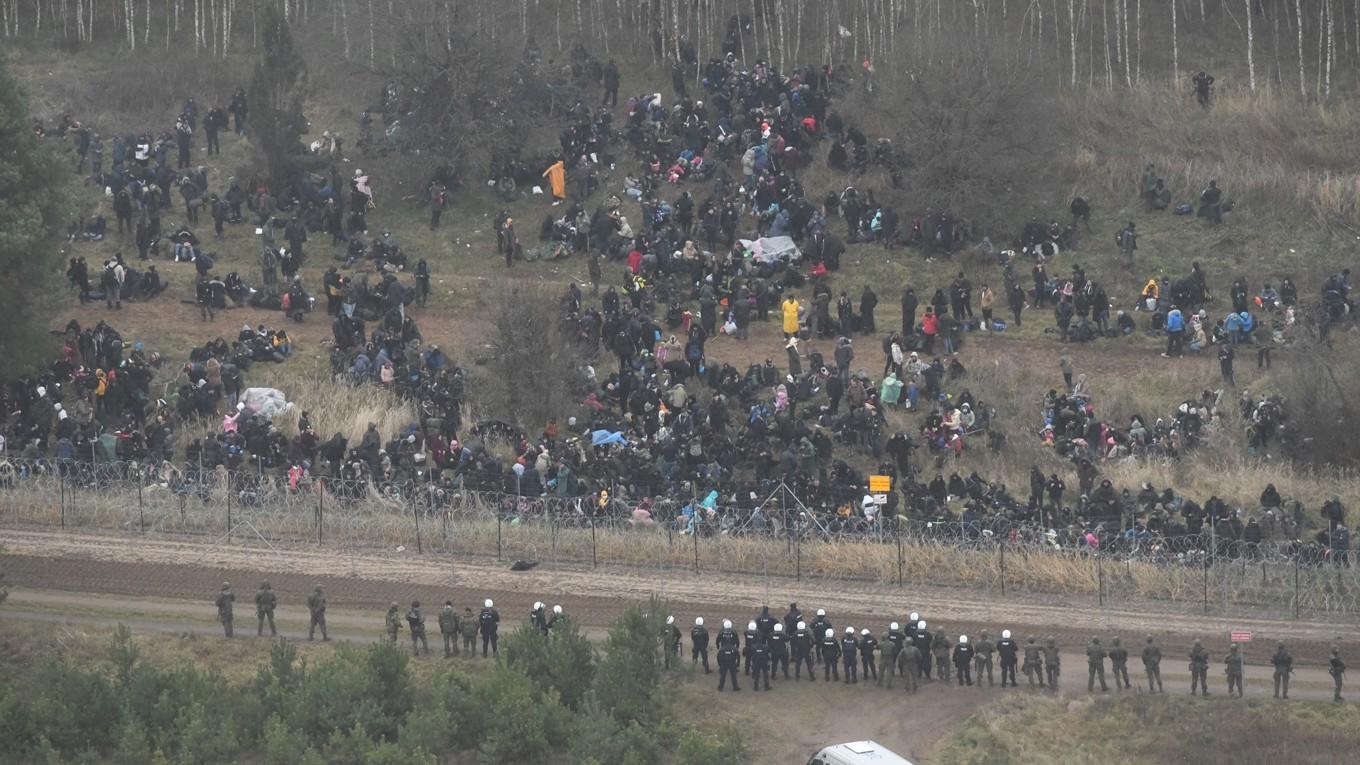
[(1251, 46), (1138, 40), (372, 39), (1175, 48), (1072, 32), (1109, 69), (1298, 17), (1331, 50)]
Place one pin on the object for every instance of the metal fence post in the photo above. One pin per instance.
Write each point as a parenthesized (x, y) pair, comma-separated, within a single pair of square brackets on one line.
[(594, 551), (798, 557), (227, 491), (1003, 567), (499, 520), (1206, 586), (898, 538), (141, 510), (320, 510), (695, 532), (1296, 585), (63, 497), (415, 513), (1100, 579)]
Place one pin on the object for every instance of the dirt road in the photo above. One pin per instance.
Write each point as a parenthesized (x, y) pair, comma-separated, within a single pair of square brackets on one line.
[(164, 587)]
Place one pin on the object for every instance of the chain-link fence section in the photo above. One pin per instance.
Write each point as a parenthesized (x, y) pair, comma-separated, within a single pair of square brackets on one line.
[(779, 537)]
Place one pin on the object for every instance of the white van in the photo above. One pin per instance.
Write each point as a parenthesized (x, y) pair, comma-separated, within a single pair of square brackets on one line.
[(857, 753)]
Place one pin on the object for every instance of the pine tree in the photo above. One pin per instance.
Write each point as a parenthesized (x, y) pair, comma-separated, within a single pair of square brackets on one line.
[(32, 206), (277, 91)]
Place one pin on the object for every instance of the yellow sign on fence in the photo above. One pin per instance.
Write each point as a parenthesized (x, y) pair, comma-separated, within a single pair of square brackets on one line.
[(880, 484)]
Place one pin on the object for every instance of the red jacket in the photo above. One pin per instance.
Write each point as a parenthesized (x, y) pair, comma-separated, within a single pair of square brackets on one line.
[(930, 324)]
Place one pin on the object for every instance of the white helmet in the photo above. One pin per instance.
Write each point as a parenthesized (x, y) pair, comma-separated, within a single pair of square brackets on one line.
[(921, 624), (538, 604), (802, 625), (698, 621), (487, 603), (670, 620), (963, 640), (864, 632), (915, 617), (557, 610), (849, 630), (1005, 634), (727, 624), (778, 627), (750, 625), (821, 612), (831, 633), (894, 626)]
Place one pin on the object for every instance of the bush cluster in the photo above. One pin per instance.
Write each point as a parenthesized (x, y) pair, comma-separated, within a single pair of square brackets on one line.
[(549, 699)]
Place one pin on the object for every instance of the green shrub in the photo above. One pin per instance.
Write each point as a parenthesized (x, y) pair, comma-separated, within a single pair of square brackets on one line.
[(600, 738), (563, 661), (517, 728), (280, 744), (698, 748), (629, 674)]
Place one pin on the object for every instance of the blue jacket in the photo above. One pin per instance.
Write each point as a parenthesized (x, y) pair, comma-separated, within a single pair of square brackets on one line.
[(1175, 322)]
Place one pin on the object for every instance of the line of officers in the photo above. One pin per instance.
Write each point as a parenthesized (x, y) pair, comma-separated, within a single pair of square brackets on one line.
[(913, 652)]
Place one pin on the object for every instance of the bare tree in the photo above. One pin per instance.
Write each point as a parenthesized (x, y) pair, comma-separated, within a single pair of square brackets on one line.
[(1251, 49), (1298, 13), (1175, 47)]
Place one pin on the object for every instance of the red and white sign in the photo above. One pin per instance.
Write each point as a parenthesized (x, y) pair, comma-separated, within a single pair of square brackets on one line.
[(1241, 636)]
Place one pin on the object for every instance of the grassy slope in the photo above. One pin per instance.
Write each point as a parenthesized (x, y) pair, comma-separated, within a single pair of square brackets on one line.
[(1257, 240), (1141, 730)]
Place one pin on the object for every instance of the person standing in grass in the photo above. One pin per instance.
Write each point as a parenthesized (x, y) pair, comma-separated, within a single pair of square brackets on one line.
[(227, 597), (1337, 669), (557, 181), (1152, 664)]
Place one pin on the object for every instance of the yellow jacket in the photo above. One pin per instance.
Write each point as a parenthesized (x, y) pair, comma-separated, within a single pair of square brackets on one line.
[(791, 316)]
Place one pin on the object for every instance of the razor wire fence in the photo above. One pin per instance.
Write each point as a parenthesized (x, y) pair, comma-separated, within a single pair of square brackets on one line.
[(779, 537)]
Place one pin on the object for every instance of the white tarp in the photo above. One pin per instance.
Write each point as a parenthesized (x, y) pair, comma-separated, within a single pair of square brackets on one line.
[(266, 402), (771, 248)]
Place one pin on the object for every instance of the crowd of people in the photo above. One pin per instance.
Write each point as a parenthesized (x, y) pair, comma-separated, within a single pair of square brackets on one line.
[(667, 421)]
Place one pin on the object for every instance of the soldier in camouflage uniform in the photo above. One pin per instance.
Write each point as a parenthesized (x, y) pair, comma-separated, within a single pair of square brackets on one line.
[(225, 599), (1033, 666), (316, 605), (939, 648), (416, 619), (1233, 668), (448, 628), (1284, 666), (393, 622), (1052, 662), (1095, 664), (265, 601), (982, 657), (467, 627), (1337, 669), (1119, 664), (1152, 663), (908, 662), (1199, 668)]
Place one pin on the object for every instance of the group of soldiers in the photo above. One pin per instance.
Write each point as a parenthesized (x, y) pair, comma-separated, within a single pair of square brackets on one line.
[(912, 653)]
